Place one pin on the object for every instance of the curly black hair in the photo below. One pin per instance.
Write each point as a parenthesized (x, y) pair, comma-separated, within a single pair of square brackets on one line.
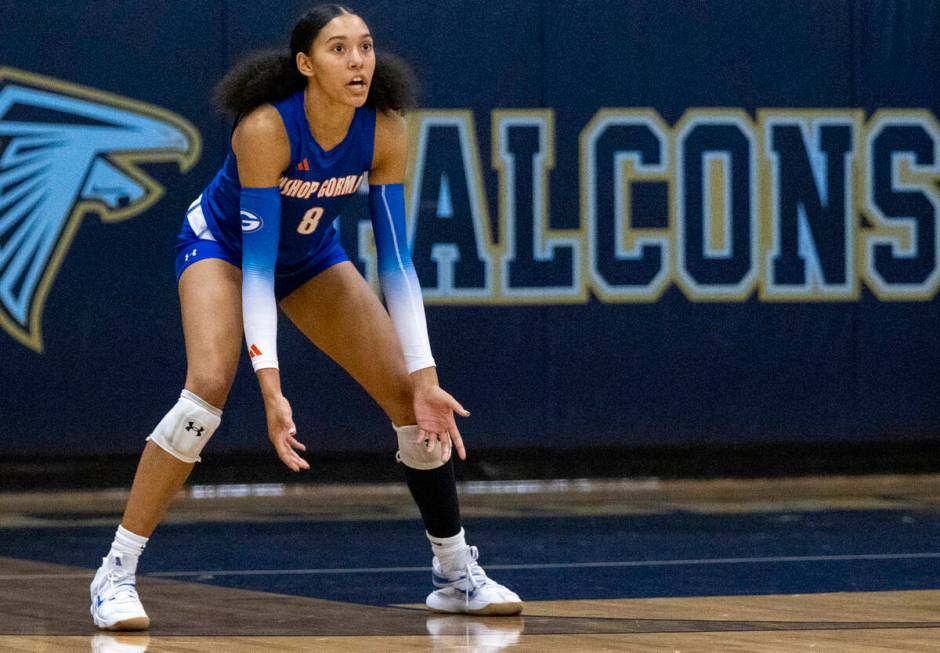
[(272, 75)]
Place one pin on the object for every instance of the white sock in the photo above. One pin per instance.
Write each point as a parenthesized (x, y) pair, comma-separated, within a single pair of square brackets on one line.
[(127, 547), (450, 551)]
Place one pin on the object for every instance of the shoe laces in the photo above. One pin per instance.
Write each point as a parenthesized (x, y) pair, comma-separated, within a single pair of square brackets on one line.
[(121, 583), (476, 577)]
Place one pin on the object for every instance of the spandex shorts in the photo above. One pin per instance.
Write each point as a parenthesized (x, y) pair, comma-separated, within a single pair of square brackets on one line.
[(196, 243)]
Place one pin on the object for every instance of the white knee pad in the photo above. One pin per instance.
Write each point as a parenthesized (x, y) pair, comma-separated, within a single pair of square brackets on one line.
[(184, 431), (415, 454)]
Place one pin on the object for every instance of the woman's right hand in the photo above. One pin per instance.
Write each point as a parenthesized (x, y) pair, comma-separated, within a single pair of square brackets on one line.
[(282, 432)]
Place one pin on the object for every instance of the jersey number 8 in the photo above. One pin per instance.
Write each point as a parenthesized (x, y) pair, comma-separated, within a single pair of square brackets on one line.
[(309, 222)]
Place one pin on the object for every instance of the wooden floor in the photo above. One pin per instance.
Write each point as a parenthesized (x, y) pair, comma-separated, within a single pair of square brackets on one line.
[(860, 622), (43, 606)]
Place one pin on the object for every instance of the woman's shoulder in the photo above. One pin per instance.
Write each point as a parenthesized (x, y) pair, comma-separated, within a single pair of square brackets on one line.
[(391, 134), (390, 125), (391, 145), (264, 122), (260, 141)]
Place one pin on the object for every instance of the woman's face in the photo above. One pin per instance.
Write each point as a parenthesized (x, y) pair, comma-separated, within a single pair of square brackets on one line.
[(342, 61)]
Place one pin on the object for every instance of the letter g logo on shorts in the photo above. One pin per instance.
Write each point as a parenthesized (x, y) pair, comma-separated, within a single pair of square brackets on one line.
[(250, 222)]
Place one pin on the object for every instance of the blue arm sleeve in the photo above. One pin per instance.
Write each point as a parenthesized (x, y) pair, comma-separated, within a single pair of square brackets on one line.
[(261, 221), (397, 274)]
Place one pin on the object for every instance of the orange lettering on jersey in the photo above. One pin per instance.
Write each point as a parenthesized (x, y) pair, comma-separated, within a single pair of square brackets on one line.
[(327, 188), (332, 187)]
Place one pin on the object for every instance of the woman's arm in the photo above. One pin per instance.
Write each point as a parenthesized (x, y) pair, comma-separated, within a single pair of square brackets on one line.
[(396, 271), (434, 408), (262, 149)]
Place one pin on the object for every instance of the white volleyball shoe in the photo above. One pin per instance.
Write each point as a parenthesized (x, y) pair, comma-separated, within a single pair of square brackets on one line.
[(114, 601), (468, 590)]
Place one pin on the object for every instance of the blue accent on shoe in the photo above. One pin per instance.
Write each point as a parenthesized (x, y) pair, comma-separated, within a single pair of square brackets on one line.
[(442, 582), (468, 593)]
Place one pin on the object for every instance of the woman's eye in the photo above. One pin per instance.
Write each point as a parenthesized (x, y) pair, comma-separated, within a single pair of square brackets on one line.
[(366, 46), (338, 48)]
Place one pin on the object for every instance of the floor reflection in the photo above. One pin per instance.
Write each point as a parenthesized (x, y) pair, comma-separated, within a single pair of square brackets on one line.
[(474, 634)]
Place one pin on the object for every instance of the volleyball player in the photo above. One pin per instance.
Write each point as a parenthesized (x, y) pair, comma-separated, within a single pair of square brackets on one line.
[(311, 124)]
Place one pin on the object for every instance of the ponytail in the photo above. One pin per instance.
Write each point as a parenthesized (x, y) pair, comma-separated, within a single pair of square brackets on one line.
[(262, 77), (394, 87)]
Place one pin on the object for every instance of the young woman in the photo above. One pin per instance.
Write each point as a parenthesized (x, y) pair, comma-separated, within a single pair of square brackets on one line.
[(309, 126)]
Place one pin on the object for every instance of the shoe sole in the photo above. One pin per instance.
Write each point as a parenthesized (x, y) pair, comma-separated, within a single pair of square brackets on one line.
[(135, 623), (492, 610)]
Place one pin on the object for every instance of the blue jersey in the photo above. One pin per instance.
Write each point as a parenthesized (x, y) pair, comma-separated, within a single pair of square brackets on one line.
[(314, 187)]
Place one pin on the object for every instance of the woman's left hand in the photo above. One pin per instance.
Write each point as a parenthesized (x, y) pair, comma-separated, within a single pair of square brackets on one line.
[(434, 410)]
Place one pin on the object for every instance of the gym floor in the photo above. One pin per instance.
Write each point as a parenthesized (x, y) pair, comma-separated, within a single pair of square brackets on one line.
[(828, 563)]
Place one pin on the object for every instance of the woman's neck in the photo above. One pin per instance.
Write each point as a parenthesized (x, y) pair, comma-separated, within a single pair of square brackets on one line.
[(329, 121)]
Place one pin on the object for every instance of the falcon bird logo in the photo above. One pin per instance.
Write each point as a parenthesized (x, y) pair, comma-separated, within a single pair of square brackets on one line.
[(65, 151)]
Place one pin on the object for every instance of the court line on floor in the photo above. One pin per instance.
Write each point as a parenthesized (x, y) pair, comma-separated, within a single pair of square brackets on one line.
[(547, 565), (565, 565)]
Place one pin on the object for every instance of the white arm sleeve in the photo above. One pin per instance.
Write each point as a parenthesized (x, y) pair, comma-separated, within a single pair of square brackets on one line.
[(260, 217), (397, 274)]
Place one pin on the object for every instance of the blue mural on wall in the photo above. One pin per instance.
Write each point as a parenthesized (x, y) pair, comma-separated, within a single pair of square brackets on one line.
[(635, 224)]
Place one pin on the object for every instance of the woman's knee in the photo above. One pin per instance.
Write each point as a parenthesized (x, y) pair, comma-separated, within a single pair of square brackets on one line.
[(212, 386)]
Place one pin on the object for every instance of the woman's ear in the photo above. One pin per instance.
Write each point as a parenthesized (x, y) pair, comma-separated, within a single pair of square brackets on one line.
[(304, 65)]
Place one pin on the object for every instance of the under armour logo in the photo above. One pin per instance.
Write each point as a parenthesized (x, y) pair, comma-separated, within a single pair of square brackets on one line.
[(190, 255), (198, 430)]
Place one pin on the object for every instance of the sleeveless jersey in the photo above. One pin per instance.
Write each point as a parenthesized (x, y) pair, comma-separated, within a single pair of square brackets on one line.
[(314, 187)]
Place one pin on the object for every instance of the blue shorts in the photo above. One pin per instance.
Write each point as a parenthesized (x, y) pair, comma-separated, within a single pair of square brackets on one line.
[(195, 243)]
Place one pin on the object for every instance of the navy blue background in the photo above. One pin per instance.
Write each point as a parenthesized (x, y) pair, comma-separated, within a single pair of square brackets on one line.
[(672, 371)]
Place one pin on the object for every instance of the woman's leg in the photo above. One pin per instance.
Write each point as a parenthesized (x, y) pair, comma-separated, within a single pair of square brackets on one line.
[(341, 315), (210, 302), (210, 298)]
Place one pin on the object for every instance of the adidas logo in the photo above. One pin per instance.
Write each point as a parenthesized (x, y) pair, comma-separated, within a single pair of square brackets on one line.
[(253, 351), (303, 165)]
